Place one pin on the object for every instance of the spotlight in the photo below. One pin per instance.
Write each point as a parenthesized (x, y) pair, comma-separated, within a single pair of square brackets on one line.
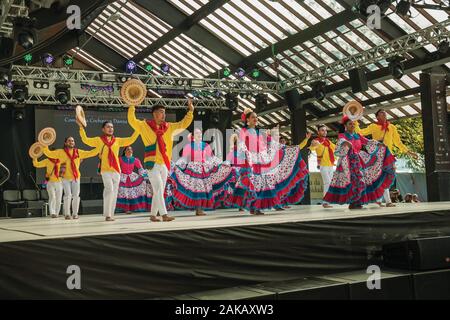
[(246, 95), (318, 89), (20, 91), (261, 101), (443, 47), (122, 78), (396, 66), (255, 73), (48, 59), (403, 7), (18, 115), (232, 101), (68, 60), (165, 68), (149, 67), (131, 66), (28, 58), (24, 32), (62, 93), (226, 72), (3, 106), (239, 73)]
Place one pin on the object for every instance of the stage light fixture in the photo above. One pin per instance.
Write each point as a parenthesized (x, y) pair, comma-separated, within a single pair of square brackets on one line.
[(318, 89), (226, 72), (261, 101), (62, 93), (165, 68), (396, 66), (149, 67), (239, 73), (48, 59), (20, 91), (24, 32), (443, 47), (28, 58), (68, 60), (3, 106), (256, 73), (403, 7), (130, 66)]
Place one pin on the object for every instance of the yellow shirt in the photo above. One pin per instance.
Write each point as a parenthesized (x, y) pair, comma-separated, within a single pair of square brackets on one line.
[(390, 139), (303, 143), (323, 156), (149, 137), (63, 158), (103, 150), (50, 169)]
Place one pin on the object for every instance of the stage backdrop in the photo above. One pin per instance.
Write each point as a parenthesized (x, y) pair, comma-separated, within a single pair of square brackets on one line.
[(64, 123)]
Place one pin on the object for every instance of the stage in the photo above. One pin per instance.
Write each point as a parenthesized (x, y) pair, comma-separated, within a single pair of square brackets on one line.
[(135, 258)]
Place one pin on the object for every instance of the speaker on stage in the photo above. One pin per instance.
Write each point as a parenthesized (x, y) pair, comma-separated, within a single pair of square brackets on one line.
[(26, 213), (418, 254), (358, 80), (432, 285)]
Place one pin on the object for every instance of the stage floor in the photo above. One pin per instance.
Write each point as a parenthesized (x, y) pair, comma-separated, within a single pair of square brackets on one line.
[(89, 225)]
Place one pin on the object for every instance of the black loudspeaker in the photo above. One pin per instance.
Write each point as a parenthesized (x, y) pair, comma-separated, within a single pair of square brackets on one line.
[(418, 254), (26, 213), (392, 285), (308, 289), (432, 285), (91, 206), (358, 80)]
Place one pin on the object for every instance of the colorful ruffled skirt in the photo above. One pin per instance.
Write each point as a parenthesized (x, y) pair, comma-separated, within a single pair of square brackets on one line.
[(200, 185), (273, 179), (361, 178), (132, 196)]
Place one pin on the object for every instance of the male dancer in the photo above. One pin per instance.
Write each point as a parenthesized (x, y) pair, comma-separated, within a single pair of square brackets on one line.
[(108, 147), (324, 149), (385, 132), (157, 136)]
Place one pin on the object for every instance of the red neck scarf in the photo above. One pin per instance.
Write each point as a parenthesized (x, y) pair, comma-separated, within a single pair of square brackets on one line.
[(112, 160), (72, 161), (326, 143), (384, 125), (55, 167), (163, 127)]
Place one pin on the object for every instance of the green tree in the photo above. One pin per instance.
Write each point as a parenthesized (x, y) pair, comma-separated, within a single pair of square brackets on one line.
[(411, 133)]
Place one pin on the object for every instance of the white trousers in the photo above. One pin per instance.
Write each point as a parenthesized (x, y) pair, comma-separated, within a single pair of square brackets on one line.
[(111, 182), (387, 196), (158, 179), (55, 192), (71, 196), (327, 175)]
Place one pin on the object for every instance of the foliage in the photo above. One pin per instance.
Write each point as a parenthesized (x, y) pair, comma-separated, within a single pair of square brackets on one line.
[(411, 133)]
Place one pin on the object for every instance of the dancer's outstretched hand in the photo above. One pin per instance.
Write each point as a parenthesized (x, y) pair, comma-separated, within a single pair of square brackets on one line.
[(190, 105)]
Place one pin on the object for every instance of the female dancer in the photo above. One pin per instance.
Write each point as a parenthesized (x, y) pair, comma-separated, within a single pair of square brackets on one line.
[(132, 187), (361, 176), (71, 156), (199, 176), (54, 183), (271, 175)]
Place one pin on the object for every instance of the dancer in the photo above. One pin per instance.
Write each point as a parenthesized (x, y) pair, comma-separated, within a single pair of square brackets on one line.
[(271, 175), (361, 176), (200, 177), (108, 146), (72, 157), (54, 183), (324, 149), (387, 133), (132, 188), (157, 136)]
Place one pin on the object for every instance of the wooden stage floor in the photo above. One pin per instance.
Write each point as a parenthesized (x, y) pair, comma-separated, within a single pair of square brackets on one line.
[(48, 228)]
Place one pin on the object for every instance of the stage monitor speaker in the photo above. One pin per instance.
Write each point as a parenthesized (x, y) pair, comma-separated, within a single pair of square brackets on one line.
[(358, 80), (397, 286), (308, 289), (26, 213), (91, 206), (432, 285), (418, 254)]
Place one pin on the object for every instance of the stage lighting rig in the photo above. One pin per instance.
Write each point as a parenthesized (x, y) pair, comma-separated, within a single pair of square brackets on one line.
[(396, 66), (20, 91), (318, 89), (24, 32), (62, 93)]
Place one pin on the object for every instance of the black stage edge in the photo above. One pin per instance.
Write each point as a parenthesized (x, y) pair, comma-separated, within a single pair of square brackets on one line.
[(165, 264)]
